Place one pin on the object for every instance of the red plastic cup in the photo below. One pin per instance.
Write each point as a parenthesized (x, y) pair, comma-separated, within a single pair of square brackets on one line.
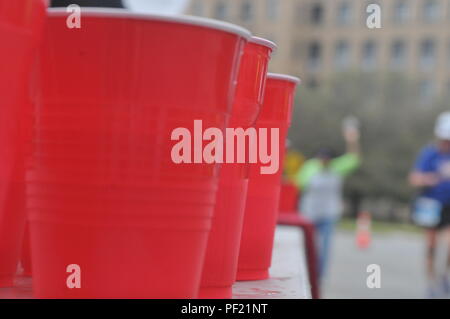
[(20, 29), (219, 271), (26, 253), (112, 214), (264, 189)]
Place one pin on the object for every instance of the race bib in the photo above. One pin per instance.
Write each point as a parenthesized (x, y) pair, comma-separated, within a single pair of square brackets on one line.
[(427, 212)]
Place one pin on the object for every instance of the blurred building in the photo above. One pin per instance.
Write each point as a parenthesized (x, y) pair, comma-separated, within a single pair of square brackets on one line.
[(318, 38)]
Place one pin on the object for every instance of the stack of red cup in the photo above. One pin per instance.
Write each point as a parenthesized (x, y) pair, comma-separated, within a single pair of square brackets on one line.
[(121, 201), (264, 189), (219, 272), (21, 24)]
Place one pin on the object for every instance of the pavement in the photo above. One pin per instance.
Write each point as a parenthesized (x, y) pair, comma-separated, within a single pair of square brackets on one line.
[(399, 255)]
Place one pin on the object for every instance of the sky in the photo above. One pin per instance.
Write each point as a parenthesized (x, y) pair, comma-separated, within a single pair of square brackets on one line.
[(157, 6)]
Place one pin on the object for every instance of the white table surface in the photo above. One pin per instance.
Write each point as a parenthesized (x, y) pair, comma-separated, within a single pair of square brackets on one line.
[(289, 276), (288, 280)]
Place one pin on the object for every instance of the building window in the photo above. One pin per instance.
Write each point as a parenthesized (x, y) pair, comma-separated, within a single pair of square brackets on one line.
[(426, 90), (317, 14), (221, 11), (401, 12), (272, 9), (431, 11), (398, 54), (344, 14), (312, 83), (342, 55), (427, 54), (197, 8), (247, 11), (314, 56), (369, 56)]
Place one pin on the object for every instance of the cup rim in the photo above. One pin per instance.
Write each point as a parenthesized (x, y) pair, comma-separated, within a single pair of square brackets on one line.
[(284, 77), (264, 42), (182, 19)]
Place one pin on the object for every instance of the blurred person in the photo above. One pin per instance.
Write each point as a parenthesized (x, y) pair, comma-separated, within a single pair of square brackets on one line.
[(321, 182), (293, 162), (431, 174)]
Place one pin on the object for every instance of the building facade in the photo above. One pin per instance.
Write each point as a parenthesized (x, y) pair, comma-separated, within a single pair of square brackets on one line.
[(319, 38)]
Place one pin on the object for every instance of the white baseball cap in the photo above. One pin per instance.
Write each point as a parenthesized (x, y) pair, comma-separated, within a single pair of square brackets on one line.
[(442, 129)]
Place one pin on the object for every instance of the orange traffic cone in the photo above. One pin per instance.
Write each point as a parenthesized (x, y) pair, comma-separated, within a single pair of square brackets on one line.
[(363, 230)]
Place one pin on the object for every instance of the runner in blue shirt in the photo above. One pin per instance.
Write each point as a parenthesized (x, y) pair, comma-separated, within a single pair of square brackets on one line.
[(431, 174)]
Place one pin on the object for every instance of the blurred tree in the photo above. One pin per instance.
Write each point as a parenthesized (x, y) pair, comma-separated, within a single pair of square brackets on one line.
[(395, 126)]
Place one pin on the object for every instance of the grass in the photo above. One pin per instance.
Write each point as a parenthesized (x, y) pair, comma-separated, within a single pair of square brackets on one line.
[(348, 224)]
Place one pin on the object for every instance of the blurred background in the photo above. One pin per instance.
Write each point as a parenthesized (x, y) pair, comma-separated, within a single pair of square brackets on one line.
[(395, 80)]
